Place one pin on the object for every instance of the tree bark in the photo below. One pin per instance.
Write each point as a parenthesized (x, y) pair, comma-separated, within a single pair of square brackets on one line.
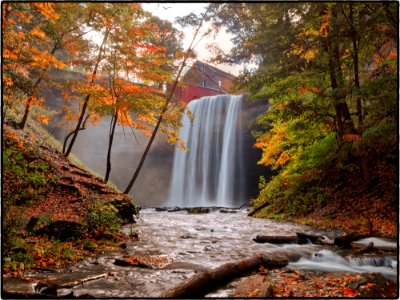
[(35, 92), (85, 104), (364, 162), (201, 283), (165, 107), (110, 142), (343, 117), (70, 134)]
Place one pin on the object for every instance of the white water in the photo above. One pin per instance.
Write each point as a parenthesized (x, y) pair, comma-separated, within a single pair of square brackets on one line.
[(209, 172), (328, 261)]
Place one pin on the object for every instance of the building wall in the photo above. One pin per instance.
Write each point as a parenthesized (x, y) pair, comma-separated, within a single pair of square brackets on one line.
[(203, 80), (190, 92)]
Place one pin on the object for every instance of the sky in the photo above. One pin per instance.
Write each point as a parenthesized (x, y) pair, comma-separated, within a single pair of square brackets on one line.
[(169, 11)]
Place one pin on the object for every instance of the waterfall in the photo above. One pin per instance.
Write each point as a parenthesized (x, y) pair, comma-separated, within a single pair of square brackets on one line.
[(209, 172)]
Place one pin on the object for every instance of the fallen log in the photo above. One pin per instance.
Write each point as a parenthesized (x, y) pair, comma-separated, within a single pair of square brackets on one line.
[(250, 214), (201, 283), (358, 247), (276, 239)]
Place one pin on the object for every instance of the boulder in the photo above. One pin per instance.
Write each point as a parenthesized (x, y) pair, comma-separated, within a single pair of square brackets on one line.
[(126, 210), (63, 230)]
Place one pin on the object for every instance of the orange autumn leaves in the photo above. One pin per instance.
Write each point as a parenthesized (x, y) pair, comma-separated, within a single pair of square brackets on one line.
[(132, 71)]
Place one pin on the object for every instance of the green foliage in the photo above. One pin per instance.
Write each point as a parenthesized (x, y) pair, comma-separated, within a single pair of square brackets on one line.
[(316, 73), (319, 155), (104, 215), (30, 175), (262, 182)]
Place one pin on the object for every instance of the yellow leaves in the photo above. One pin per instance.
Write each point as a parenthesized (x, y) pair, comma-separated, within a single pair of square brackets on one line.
[(7, 81), (283, 159), (43, 119), (324, 28), (271, 144), (36, 31), (307, 54)]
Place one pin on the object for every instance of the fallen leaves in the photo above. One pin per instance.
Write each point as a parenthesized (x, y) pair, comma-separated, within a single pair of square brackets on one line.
[(304, 284), (147, 261)]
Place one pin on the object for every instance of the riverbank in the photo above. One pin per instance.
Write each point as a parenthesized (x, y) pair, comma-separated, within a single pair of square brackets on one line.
[(348, 203), (190, 243), (54, 212)]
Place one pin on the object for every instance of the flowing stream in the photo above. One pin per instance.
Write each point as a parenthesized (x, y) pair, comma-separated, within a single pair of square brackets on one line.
[(193, 242)]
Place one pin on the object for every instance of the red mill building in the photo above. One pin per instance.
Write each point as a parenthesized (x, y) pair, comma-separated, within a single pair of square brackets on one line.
[(203, 80)]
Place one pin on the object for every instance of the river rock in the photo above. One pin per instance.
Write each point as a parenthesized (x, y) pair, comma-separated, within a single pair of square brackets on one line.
[(198, 210), (254, 287), (226, 211), (126, 210)]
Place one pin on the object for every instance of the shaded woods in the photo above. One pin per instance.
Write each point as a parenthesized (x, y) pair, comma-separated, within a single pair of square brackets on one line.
[(329, 73)]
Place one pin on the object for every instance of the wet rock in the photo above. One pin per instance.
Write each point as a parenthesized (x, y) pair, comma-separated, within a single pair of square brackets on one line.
[(64, 293), (172, 209), (186, 236), (18, 288), (227, 211), (161, 208), (63, 230), (145, 261), (254, 287), (126, 210), (198, 210)]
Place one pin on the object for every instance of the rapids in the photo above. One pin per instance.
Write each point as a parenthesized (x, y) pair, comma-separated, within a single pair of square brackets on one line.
[(198, 241)]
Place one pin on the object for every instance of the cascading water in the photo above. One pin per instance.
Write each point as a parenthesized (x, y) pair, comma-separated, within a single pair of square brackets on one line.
[(209, 173)]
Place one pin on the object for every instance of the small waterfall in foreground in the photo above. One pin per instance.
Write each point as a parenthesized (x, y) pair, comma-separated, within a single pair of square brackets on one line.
[(209, 173)]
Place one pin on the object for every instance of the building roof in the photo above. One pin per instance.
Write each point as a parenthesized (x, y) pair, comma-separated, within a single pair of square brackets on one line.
[(216, 70)]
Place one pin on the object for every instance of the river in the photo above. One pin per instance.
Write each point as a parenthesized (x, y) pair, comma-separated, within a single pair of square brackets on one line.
[(194, 242)]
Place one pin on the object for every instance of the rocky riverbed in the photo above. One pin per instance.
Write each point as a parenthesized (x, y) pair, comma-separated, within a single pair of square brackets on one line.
[(174, 245)]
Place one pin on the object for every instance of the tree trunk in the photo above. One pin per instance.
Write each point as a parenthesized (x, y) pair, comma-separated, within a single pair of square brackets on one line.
[(70, 134), (165, 107), (201, 283), (356, 68), (85, 104), (35, 92), (111, 138), (364, 162)]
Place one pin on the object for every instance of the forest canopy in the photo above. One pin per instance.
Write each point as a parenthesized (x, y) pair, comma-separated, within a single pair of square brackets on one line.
[(329, 73)]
